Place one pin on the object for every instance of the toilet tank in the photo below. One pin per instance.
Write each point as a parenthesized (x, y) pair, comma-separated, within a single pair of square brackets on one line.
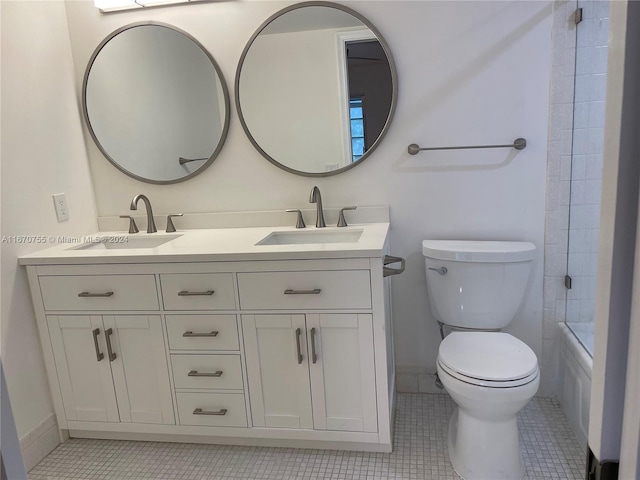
[(476, 284)]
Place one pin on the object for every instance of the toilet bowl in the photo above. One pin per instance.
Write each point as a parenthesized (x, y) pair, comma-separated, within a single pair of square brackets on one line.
[(476, 288), (491, 377)]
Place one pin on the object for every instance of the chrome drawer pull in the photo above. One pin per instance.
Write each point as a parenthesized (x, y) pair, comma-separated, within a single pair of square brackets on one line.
[(187, 293), (298, 351), (189, 333), (90, 294), (195, 373), (314, 357), (107, 333), (315, 291), (99, 355), (199, 411)]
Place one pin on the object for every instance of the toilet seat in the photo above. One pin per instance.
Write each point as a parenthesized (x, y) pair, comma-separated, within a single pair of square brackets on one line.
[(490, 359)]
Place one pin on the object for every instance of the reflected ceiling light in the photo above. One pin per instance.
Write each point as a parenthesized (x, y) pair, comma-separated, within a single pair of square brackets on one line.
[(106, 6)]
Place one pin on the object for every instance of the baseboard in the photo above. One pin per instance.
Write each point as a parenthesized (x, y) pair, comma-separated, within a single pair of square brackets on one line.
[(40, 442), (237, 441), (416, 380)]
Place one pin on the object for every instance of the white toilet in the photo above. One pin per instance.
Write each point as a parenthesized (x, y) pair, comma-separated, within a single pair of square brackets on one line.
[(475, 288)]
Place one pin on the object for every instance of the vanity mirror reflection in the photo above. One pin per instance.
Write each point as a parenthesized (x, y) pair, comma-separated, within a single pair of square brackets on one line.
[(316, 89), (155, 103)]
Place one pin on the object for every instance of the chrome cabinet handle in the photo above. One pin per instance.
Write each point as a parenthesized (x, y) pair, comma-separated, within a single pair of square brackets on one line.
[(187, 293), (99, 355), (90, 294), (315, 291), (195, 373), (441, 270), (298, 333), (107, 333), (314, 357), (199, 411), (189, 333), (387, 271)]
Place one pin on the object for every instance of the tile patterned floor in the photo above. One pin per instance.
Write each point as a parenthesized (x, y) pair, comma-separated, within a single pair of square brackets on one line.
[(550, 451)]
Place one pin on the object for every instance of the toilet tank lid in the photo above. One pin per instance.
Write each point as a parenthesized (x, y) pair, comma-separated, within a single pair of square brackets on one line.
[(478, 250)]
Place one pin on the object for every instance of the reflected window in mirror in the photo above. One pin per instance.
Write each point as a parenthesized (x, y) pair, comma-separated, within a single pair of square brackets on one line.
[(356, 115)]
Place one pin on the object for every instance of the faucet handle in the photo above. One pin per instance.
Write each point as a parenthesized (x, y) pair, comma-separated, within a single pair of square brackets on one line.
[(170, 226), (133, 228), (300, 221), (342, 222)]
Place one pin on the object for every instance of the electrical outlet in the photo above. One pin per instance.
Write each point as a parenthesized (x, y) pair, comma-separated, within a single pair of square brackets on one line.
[(60, 204)]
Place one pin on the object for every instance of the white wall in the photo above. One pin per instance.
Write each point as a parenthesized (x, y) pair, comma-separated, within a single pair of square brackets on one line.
[(469, 73), (42, 153)]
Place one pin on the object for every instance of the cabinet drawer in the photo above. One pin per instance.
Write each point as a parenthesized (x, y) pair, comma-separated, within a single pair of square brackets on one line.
[(99, 292), (207, 371), (212, 409), (198, 291), (305, 290), (202, 332)]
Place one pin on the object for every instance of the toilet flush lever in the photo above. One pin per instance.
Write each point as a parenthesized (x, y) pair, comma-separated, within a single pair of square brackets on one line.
[(441, 270)]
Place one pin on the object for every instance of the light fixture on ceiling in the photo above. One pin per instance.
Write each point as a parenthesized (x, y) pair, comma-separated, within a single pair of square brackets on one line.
[(106, 6)]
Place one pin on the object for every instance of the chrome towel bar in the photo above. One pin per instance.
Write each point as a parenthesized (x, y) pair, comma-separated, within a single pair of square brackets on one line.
[(388, 260), (518, 144), (182, 160)]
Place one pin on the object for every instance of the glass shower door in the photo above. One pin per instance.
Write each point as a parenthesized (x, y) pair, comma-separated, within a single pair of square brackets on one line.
[(586, 168)]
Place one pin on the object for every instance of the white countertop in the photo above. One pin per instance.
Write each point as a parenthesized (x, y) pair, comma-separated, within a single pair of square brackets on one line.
[(222, 244)]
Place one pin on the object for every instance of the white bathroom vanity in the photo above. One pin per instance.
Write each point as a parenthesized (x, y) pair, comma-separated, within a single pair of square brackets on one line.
[(252, 336)]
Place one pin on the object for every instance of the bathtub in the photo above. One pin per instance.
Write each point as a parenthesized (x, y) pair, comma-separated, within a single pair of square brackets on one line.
[(575, 383)]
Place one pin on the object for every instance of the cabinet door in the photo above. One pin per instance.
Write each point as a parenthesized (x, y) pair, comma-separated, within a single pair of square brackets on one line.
[(276, 355), (79, 350), (140, 370), (342, 372)]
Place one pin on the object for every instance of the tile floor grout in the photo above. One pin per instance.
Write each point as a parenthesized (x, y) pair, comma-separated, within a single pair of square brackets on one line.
[(549, 447)]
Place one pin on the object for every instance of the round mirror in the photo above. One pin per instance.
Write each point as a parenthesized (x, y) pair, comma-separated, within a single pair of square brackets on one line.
[(156, 103), (316, 89)]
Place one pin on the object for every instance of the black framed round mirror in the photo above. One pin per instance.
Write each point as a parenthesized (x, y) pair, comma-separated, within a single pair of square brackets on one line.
[(316, 89), (156, 103)]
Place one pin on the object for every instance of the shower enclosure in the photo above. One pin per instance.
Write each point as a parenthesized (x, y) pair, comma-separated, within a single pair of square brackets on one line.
[(586, 167)]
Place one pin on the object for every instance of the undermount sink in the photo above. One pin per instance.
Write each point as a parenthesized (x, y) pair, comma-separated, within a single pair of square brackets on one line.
[(311, 237), (125, 242)]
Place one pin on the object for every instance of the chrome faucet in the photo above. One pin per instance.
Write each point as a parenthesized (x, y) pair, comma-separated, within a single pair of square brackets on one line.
[(151, 225), (316, 198)]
